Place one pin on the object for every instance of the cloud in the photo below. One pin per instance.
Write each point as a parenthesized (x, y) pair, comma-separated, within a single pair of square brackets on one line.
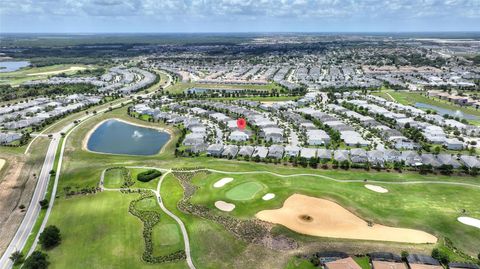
[(246, 11)]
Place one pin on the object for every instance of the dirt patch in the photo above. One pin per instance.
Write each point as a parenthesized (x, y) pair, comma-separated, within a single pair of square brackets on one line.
[(376, 188), (222, 182), (224, 206), (328, 219)]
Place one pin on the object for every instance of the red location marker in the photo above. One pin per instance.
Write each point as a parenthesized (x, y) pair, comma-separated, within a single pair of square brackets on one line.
[(241, 123)]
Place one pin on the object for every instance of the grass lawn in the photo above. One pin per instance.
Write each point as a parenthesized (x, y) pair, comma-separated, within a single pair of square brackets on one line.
[(180, 87), (299, 263), (364, 262), (113, 178)]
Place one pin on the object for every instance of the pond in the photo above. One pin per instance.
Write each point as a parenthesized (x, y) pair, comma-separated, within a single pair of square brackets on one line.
[(11, 66), (118, 137), (207, 90), (442, 111)]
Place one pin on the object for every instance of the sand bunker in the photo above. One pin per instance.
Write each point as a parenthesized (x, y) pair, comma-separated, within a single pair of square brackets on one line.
[(376, 188), (222, 182), (224, 206), (320, 217), (470, 221), (268, 196), (2, 163)]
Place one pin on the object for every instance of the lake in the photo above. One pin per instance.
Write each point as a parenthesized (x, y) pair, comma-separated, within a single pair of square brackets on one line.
[(118, 137), (11, 66), (442, 111)]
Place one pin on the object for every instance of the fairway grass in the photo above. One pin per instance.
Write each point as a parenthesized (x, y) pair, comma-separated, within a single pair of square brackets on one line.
[(244, 191), (39, 73), (98, 232)]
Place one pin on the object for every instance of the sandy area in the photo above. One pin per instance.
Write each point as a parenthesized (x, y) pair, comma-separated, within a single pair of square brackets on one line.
[(222, 182), (71, 68), (376, 188), (224, 206), (320, 217), (2, 163), (90, 132), (268, 196), (470, 221)]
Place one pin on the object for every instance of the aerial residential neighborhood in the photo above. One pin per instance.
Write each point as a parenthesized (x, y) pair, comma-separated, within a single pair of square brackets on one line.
[(240, 134)]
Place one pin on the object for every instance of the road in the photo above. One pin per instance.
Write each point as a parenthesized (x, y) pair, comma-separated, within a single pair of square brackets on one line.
[(26, 227)]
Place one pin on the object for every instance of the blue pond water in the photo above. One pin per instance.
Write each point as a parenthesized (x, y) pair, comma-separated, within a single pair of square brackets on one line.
[(442, 111), (11, 66), (118, 137)]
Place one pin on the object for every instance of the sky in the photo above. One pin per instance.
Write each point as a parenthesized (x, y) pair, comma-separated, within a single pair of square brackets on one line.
[(166, 16)]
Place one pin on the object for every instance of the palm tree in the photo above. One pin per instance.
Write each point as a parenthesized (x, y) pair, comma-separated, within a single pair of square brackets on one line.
[(16, 257)]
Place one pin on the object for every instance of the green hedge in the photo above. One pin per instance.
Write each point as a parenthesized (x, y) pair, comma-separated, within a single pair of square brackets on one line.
[(148, 175)]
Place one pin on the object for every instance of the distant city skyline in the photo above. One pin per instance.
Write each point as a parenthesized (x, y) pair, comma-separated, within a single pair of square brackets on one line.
[(190, 16)]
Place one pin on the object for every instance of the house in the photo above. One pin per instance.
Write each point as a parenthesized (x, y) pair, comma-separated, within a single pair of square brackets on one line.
[(238, 136), (353, 138), (411, 158), (273, 134), (324, 154), (198, 148), (448, 159), (386, 260), (308, 153), (390, 155), (260, 151), (230, 151), (375, 157), (430, 159), (462, 265), (292, 151), (453, 144), (246, 151), (470, 161), (317, 137), (340, 155), (417, 261), (193, 139), (275, 151), (6, 138), (347, 263), (358, 156), (215, 150)]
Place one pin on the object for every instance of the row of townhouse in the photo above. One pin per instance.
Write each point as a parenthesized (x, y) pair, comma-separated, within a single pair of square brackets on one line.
[(40, 113), (8, 137), (356, 156)]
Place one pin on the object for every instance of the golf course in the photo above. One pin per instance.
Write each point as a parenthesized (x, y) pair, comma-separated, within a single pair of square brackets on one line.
[(102, 208)]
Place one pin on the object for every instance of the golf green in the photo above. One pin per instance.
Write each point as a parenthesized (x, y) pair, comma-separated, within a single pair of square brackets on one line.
[(244, 191)]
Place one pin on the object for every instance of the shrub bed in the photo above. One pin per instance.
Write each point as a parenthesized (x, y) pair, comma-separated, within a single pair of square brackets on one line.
[(148, 175), (150, 219)]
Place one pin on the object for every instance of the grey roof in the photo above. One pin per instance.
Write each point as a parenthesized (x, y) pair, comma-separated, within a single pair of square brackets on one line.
[(385, 256), (421, 259)]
